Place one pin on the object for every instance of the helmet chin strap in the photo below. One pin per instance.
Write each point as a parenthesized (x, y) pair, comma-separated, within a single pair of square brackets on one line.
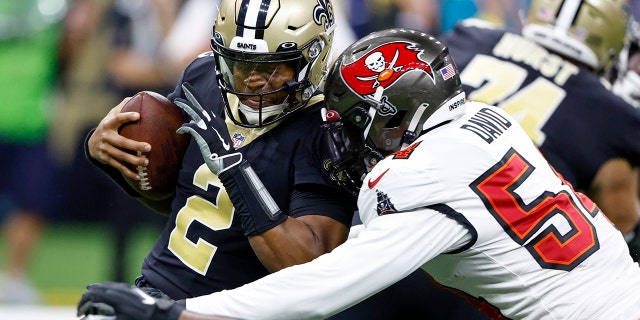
[(252, 116), (411, 134)]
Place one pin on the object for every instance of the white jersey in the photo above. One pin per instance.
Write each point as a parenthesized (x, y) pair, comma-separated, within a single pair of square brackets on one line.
[(474, 204)]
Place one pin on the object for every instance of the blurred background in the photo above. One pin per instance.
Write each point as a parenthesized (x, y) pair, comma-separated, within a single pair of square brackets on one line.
[(63, 65)]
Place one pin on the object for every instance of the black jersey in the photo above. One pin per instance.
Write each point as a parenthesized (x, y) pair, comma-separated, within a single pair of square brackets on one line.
[(575, 120), (202, 248)]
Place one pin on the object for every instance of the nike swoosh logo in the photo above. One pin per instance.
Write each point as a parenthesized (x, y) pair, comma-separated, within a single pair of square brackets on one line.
[(372, 183), (225, 145)]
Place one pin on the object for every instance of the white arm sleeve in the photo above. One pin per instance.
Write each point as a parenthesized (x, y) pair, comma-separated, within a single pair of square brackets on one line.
[(355, 230), (387, 250)]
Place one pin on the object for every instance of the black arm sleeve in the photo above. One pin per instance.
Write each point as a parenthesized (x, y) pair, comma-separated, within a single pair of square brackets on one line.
[(257, 210)]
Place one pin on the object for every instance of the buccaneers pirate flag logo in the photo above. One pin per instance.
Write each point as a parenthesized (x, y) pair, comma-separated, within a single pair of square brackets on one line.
[(382, 67)]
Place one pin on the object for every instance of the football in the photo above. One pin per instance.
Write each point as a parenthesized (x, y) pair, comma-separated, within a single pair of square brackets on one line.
[(157, 125)]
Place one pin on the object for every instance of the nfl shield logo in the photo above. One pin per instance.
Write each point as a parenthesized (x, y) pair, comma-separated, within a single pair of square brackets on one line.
[(237, 140)]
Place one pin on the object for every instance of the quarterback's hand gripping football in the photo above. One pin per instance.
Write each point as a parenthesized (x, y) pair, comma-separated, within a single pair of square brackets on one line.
[(209, 131), (125, 302), (257, 210)]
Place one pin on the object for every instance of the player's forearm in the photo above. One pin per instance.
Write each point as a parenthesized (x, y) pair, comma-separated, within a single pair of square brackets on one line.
[(297, 241), (383, 254), (159, 206), (615, 191), (313, 291)]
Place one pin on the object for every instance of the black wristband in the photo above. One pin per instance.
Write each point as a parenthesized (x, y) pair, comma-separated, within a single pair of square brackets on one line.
[(257, 210), (111, 172)]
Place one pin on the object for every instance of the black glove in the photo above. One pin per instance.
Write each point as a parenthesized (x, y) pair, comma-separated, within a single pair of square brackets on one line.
[(127, 302), (155, 293), (210, 132), (257, 210)]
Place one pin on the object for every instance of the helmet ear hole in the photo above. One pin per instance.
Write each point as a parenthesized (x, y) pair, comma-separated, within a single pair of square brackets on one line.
[(396, 120), (356, 51)]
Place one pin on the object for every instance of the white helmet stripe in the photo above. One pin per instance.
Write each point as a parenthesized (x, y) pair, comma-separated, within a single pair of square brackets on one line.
[(252, 18), (567, 13), (372, 114)]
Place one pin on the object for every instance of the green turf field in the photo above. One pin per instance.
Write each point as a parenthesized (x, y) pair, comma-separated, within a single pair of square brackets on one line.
[(70, 256)]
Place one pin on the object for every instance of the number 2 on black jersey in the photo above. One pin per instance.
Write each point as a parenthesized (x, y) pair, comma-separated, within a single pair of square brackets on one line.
[(529, 224), (193, 250)]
